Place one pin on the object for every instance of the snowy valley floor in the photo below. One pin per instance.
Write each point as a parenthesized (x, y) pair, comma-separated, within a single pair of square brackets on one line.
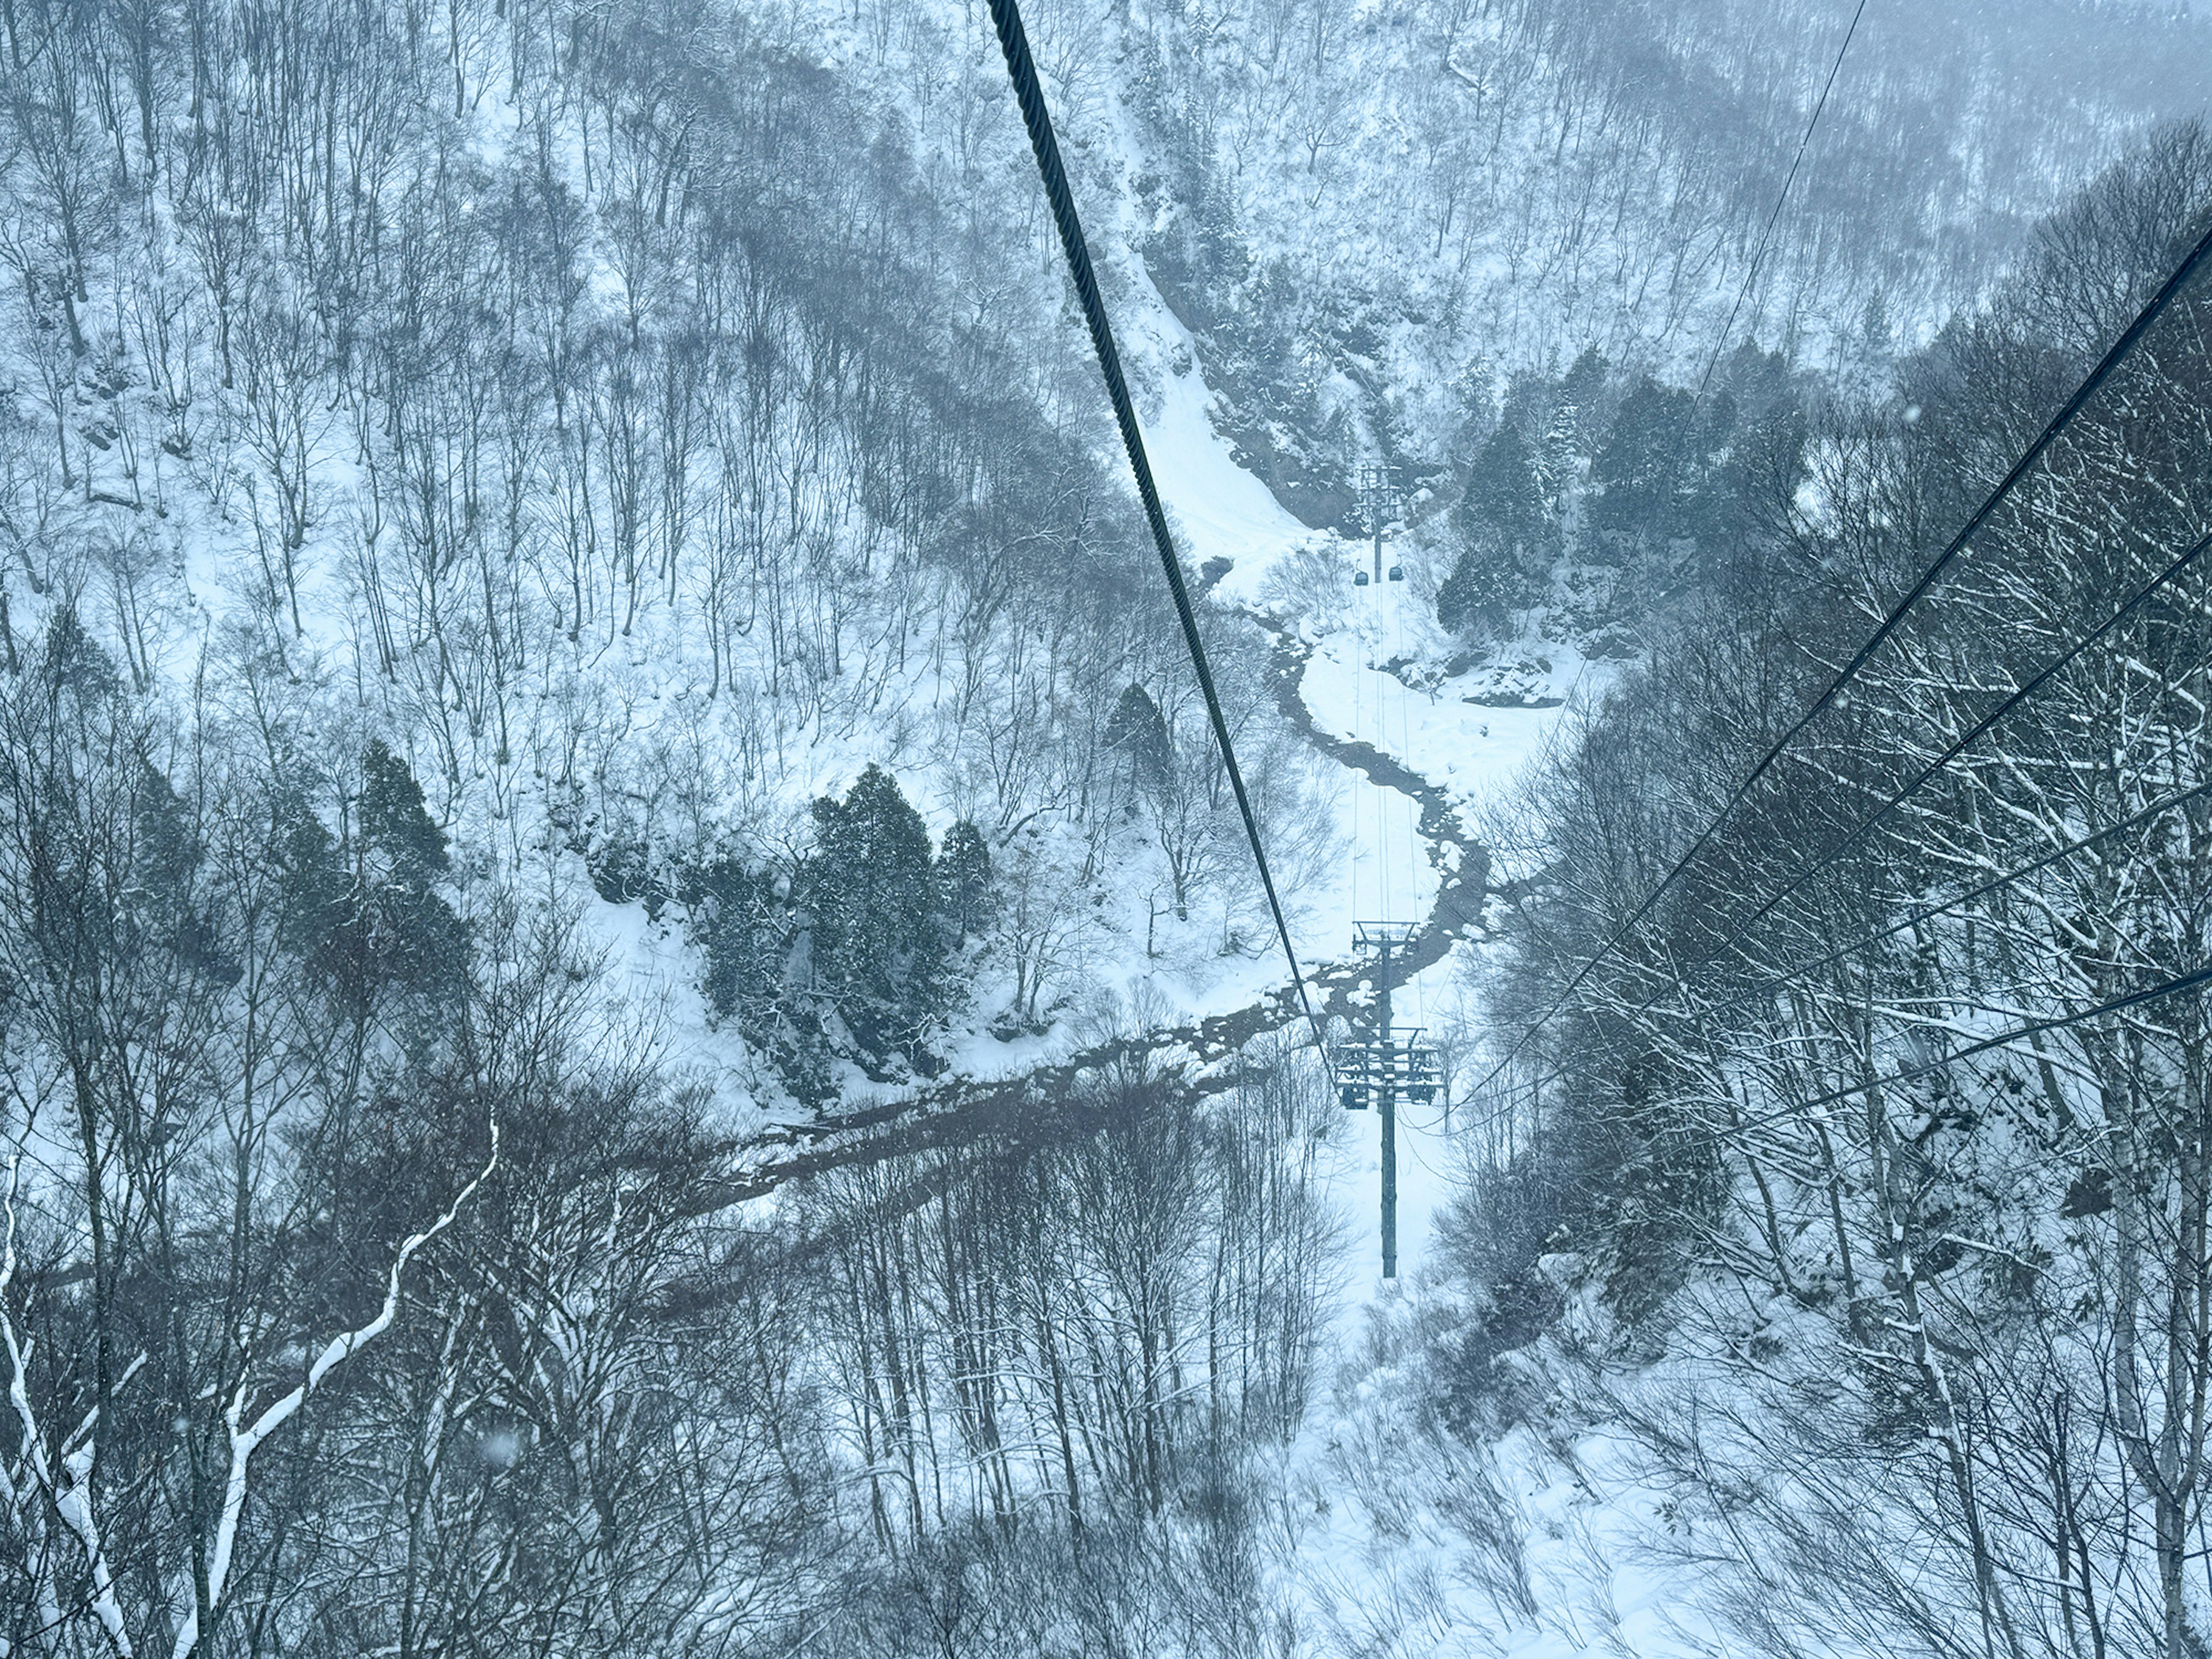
[(1398, 1536), (1392, 1535)]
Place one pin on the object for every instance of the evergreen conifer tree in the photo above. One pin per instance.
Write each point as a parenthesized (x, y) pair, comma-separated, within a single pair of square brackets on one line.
[(1484, 588), (316, 887), (1504, 504), (1510, 536), (1138, 732), (870, 892), (1648, 474), (963, 872), (393, 933), (395, 824), (740, 918)]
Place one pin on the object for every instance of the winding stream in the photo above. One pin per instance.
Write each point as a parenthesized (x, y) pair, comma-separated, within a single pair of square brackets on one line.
[(1033, 1104)]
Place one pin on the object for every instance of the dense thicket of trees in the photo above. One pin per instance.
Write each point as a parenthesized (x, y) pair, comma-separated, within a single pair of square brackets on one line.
[(363, 1289), (609, 407), (455, 458), (858, 947), (1604, 498), (1960, 1304), (1369, 216), (445, 453)]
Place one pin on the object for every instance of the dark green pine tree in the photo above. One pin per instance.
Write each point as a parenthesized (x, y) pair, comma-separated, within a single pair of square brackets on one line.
[(1504, 504), (160, 910), (316, 888), (74, 666), (397, 948), (1137, 733), (1581, 390), (1484, 589), (1648, 473), (872, 895), (1509, 535), (964, 879), (1759, 426), (395, 824), (129, 895), (741, 919)]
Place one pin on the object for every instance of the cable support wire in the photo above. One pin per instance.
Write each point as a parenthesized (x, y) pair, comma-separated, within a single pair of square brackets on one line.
[(2181, 983), (1797, 971), (1759, 255), (2114, 357), (1928, 912), (1979, 730), (1013, 41), (1680, 987), (2193, 980), (1352, 792)]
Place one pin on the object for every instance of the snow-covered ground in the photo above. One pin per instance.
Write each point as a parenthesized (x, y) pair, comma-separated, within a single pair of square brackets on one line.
[(1220, 511), (1402, 1541)]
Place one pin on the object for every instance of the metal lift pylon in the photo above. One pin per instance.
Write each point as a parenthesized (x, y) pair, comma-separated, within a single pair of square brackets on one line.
[(1379, 502), (1375, 1072)]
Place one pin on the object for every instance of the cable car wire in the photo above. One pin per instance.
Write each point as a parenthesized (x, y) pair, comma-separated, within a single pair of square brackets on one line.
[(1982, 889), (1013, 41), (1757, 258), (2174, 986), (1799, 971), (2120, 351), (1979, 730)]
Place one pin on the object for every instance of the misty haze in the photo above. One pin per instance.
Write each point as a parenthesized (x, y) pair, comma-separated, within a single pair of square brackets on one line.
[(1105, 829)]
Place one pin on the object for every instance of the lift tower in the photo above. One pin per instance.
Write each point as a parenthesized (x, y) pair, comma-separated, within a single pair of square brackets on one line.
[(1376, 1072), (1378, 505)]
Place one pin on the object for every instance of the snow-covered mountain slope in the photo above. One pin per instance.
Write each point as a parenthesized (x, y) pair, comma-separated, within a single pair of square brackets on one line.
[(1371, 215), (632, 1013)]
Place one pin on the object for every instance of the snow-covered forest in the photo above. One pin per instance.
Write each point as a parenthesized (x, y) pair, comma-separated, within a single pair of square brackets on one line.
[(635, 1015)]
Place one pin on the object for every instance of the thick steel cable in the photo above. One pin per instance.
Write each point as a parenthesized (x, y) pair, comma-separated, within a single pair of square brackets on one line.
[(1974, 734), (1013, 41), (1789, 975), (1981, 728), (1799, 970), (2117, 353), (1752, 275), (2189, 981), (1796, 971)]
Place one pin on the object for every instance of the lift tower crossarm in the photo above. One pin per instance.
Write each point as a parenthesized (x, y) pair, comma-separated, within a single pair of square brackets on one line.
[(1378, 1071)]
